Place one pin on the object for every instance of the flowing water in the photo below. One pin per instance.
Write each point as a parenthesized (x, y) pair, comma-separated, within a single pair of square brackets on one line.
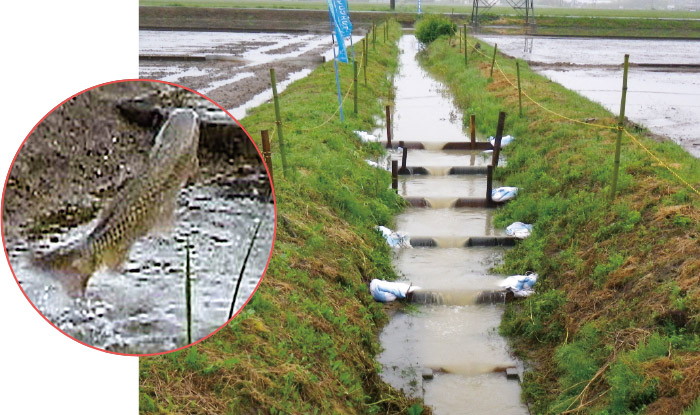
[(140, 308), (457, 340)]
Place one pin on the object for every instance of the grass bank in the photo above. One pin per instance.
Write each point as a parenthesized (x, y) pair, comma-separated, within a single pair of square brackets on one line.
[(306, 341), (614, 326)]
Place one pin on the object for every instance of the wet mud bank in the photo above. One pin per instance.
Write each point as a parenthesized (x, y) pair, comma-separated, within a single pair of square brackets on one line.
[(232, 68)]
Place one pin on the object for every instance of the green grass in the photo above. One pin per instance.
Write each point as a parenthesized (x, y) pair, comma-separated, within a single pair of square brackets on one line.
[(618, 279), (305, 343)]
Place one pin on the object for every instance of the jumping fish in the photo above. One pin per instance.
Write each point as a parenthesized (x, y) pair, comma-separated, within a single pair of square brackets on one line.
[(145, 201)]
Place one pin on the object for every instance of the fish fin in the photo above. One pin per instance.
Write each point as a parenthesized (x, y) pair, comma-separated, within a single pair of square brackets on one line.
[(113, 258), (69, 267)]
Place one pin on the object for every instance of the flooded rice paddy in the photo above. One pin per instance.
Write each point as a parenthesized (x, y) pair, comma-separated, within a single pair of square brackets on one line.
[(456, 341), (664, 98), (231, 68)]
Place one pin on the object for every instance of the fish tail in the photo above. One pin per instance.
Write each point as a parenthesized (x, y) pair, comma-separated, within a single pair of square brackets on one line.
[(72, 268)]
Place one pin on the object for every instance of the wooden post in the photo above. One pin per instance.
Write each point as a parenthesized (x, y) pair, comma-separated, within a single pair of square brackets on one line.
[(499, 135), (395, 175), (520, 96), (403, 169), (266, 153), (472, 130), (489, 185), (493, 61), (365, 45), (620, 127), (465, 44), (374, 35), (188, 291), (460, 39), (278, 121), (388, 126), (354, 80)]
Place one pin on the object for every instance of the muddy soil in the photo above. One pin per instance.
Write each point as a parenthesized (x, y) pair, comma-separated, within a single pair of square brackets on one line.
[(230, 95), (240, 69), (75, 158), (84, 151)]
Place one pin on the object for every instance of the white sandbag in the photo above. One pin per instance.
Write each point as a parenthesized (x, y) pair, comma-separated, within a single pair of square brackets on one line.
[(521, 285), (501, 194), (366, 137), (505, 140), (387, 291), (519, 230), (394, 239)]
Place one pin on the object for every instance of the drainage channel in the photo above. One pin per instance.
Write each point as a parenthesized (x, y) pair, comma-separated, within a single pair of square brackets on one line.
[(448, 351)]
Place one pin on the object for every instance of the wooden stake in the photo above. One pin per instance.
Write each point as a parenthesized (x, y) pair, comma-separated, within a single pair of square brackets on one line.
[(620, 127), (395, 175), (493, 61), (365, 45), (188, 291), (266, 153), (489, 185), (520, 96), (278, 121), (354, 80), (374, 36), (403, 169), (388, 126), (472, 130), (499, 135), (465, 45)]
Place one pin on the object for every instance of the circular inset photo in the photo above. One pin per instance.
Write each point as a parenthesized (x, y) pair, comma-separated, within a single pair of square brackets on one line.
[(138, 217)]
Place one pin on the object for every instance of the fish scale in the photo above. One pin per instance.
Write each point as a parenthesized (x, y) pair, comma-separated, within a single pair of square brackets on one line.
[(141, 204)]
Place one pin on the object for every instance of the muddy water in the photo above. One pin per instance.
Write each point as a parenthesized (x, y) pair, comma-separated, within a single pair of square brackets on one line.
[(457, 340), (440, 186), (140, 308), (423, 112), (438, 162), (665, 100)]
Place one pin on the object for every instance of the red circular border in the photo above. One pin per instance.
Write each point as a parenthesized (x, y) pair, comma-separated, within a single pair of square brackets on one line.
[(2, 225)]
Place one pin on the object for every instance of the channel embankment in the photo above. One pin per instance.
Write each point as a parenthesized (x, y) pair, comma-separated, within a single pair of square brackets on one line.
[(296, 20), (615, 324), (306, 341), (255, 20)]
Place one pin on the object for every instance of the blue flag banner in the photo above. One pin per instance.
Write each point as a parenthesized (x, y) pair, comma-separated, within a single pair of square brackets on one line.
[(342, 53), (339, 13), (338, 10)]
